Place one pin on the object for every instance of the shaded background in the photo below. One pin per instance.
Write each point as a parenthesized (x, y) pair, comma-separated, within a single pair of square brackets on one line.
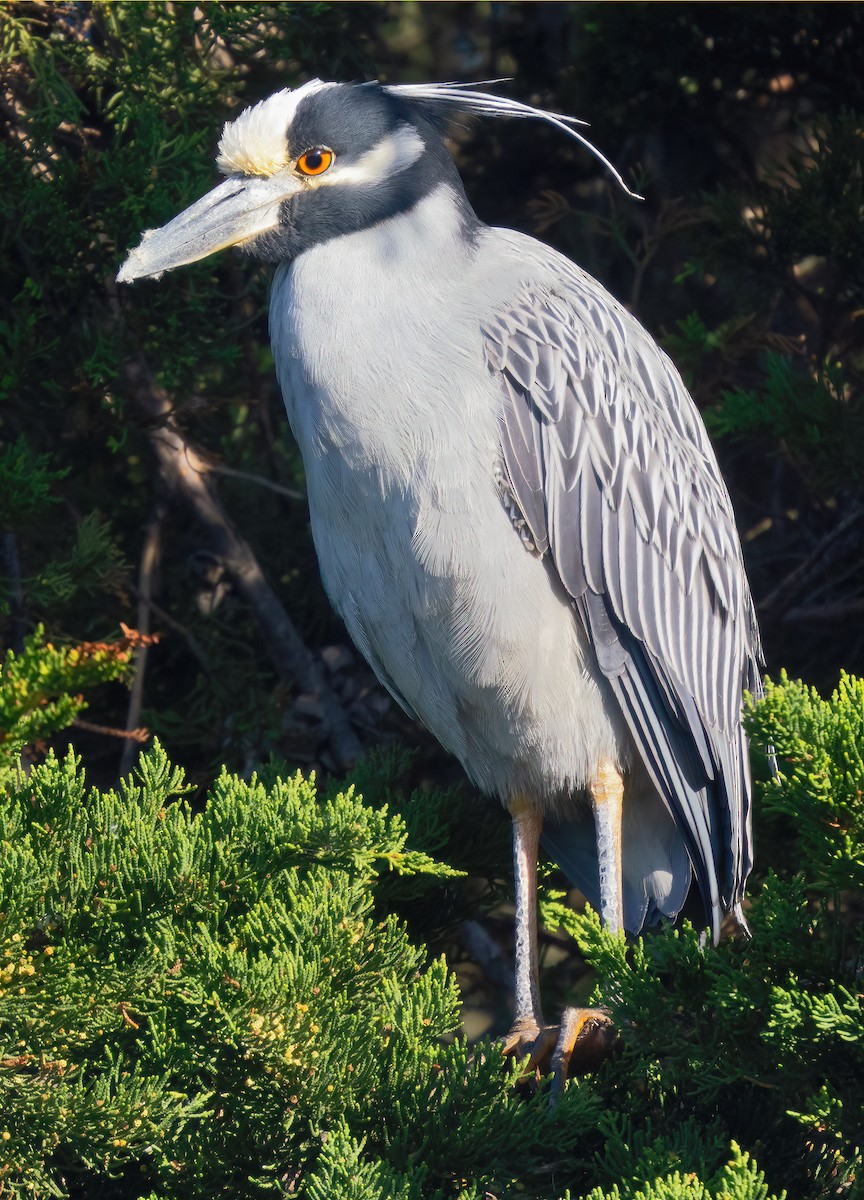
[(147, 473)]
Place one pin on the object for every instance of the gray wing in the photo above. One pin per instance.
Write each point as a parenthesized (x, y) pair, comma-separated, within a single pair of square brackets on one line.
[(608, 461)]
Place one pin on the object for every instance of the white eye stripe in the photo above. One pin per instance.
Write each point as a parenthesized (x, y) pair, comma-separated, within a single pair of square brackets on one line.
[(393, 153)]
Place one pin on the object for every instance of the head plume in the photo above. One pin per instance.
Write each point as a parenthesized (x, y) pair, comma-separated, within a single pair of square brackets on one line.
[(463, 97)]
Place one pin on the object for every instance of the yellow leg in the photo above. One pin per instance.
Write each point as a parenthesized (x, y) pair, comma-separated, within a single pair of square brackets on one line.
[(587, 1033), (607, 799)]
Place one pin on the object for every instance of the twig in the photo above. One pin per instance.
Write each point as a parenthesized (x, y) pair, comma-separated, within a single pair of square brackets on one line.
[(821, 614), (172, 623), (248, 477), (185, 474), (786, 591), (146, 572), (133, 737), (487, 953)]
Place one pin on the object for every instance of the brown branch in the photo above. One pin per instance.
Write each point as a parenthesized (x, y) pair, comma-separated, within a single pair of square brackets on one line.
[(146, 573), (786, 591), (132, 737), (259, 480), (185, 473), (172, 623), (487, 953), (822, 614)]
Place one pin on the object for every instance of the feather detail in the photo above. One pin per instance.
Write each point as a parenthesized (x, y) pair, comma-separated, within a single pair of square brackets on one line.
[(612, 470)]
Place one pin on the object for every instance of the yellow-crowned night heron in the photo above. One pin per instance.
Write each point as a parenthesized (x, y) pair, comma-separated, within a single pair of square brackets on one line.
[(516, 509)]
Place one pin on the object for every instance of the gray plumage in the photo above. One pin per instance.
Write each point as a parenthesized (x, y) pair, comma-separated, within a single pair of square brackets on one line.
[(601, 438), (516, 508), (607, 461)]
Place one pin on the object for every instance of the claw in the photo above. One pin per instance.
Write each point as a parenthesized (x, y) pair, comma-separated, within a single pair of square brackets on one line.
[(586, 1039), (527, 1040), (582, 1041)]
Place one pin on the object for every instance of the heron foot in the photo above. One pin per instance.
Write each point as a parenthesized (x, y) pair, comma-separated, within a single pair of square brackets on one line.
[(582, 1041), (536, 1043)]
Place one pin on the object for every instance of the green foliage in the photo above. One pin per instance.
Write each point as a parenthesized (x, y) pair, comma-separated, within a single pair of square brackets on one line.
[(738, 1179), (113, 115), (796, 239), (25, 484), (799, 237), (761, 1039), (41, 688), (818, 794), (95, 563), (209, 1002), (747, 1033), (222, 1000)]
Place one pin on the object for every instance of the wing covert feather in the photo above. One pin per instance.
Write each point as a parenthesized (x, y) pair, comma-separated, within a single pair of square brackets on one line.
[(608, 461)]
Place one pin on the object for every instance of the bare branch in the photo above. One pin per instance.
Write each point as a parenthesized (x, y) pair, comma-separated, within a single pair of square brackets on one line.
[(172, 623), (132, 737), (185, 473), (825, 614), (790, 588), (249, 477), (146, 573)]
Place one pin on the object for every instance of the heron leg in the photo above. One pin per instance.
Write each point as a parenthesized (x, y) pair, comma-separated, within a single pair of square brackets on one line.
[(527, 823), (529, 1034), (607, 799), (592, 1028), (585, 1035)]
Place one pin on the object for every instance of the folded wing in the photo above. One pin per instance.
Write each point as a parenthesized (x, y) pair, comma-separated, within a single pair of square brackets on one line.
[(608, 460)]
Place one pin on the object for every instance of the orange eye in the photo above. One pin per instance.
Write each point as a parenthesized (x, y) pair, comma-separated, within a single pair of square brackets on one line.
[(314, 162)]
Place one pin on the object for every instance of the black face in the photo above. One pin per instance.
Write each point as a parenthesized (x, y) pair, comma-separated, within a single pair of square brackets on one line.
[(351, 121)]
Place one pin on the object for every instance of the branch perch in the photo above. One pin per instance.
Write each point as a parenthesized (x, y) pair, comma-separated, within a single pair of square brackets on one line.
[(185, 473)]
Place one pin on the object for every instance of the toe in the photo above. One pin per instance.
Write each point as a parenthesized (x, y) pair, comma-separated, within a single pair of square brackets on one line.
[(536, 1043), (586, 1039)]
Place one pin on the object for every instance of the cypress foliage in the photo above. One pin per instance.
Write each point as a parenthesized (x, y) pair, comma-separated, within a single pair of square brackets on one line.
[(763, 1039), (210, 1001), (207, 1004), (40, 687)]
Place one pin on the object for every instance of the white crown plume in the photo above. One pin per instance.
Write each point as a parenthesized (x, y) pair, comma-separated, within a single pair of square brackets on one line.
[(465, 98)]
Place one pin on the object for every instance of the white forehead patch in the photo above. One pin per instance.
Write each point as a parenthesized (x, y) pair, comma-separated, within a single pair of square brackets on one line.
[(256, 142)]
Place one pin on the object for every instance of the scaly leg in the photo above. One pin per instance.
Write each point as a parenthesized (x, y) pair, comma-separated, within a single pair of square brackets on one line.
[(528, 1023), (529, 1034), (591, 1027), (546, 1046)]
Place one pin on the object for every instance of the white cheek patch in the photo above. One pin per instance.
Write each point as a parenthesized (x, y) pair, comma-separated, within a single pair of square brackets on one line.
[(392, 154), (255, 143)]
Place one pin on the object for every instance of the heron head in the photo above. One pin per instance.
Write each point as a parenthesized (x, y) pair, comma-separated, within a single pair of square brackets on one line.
[(324, 160), (303, 166)]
